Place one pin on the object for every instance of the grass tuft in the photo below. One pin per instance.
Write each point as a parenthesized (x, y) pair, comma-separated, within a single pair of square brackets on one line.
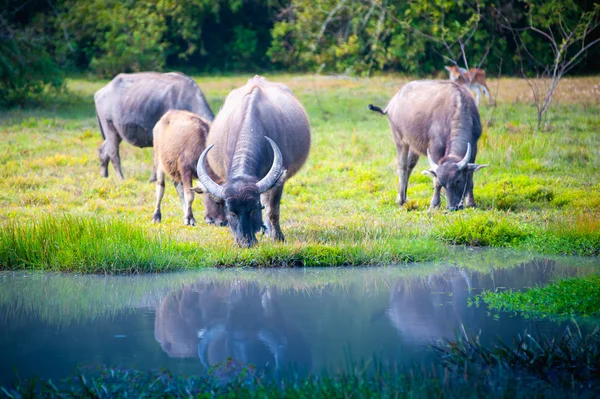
[(577, 296)]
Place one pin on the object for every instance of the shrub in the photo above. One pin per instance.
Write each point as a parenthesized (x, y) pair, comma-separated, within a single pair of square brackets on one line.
[(27, 71)]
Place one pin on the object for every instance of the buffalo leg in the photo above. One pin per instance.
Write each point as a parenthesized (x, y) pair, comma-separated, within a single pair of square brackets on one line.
[(153, 175), (104, 159), (188, 199), (435, 200), (271, 200), (403, 173), (413, 157), (469, 200), (160, 192), (109, 150)]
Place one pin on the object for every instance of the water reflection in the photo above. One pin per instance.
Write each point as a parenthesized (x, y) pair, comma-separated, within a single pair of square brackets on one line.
[(423, 311), (309, 319), (241, 321)]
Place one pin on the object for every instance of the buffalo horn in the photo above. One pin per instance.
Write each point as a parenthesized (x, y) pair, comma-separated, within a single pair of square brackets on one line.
[(275, 172), (432, 164), (461, 165), (208, 183)]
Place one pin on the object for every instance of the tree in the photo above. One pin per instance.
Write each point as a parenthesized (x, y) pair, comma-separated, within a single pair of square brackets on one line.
[(565, 29), (27, 68)]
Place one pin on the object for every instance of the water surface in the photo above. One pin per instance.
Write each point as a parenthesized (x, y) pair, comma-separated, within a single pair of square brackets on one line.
[(313, 319)]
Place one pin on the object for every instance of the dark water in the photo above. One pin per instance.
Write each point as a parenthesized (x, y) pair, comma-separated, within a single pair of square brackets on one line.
[(315, 319)]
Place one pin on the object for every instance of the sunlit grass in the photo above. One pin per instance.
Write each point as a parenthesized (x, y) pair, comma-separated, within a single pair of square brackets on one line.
[(540, 191)]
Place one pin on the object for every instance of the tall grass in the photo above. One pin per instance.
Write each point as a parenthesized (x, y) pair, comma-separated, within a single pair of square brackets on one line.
[(91, 245)]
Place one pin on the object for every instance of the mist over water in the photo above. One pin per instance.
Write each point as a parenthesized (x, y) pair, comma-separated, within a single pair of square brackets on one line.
[(306, 320)]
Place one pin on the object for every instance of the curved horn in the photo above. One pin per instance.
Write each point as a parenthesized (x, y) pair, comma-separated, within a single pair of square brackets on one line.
[(208, 183), (275, 172), (432, 164), (461, 165)]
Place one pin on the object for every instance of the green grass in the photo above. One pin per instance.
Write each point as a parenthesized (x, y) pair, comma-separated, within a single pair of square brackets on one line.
[(540, 193), (570, 297)]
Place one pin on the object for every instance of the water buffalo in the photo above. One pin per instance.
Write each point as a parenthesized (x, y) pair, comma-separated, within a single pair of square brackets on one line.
[(179, 139), (130, 105), (261, 137), (440, 119)]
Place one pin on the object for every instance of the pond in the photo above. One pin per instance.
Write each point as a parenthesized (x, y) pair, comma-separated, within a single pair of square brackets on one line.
[(301, 319)]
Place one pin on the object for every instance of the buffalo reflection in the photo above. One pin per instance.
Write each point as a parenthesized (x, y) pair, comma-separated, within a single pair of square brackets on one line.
[(241, 322), (422, 311)]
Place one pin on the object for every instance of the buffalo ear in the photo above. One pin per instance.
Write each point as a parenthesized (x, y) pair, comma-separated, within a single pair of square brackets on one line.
[(430, 173), (199, 189), (474, 167)]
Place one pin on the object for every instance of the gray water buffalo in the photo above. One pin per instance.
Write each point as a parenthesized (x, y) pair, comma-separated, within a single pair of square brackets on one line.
[(261, 137), (179, 139), (130, 105), (440, 119)]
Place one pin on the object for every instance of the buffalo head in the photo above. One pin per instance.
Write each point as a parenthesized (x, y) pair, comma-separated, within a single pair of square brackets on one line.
[(454, 177), (240, 196)]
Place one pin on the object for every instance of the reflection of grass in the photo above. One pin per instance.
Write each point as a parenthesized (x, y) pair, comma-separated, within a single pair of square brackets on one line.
[(579, 296), (63, 299), (539, 193), (531, 367)]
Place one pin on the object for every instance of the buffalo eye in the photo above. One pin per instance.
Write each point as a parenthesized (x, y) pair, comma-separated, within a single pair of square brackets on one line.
[(233, 215)]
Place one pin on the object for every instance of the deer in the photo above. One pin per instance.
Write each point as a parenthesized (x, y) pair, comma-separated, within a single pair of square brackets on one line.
[(474, 78)]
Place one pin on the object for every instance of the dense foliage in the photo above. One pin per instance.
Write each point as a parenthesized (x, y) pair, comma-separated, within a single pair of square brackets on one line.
[(342, 36), (27, 68)]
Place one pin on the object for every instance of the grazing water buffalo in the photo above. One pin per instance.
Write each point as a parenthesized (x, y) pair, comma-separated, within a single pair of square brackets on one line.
[(440, 119), (179, 139), (130, 105), (261, 137)]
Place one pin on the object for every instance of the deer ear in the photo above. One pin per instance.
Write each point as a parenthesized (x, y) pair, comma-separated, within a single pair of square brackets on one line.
[(430, 173)]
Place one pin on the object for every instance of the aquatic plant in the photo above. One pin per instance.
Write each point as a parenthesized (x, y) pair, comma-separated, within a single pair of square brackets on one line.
[(576, 296)]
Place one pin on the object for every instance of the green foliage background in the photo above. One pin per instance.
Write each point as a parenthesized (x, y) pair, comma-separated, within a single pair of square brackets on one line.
[(43, 38)]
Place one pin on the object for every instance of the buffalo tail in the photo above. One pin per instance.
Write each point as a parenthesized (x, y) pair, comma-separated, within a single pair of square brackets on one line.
[(377, 109)]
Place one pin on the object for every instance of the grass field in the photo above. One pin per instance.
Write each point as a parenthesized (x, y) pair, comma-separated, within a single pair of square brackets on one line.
[(541, 191)]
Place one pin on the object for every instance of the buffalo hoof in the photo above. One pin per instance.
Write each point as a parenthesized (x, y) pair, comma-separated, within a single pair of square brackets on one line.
[(400, 201), (277, 236), (157, 217), (212, 221), (189, 221)]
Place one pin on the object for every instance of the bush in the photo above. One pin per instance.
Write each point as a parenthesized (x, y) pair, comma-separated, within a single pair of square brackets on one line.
[(27, 71), (482, 230)]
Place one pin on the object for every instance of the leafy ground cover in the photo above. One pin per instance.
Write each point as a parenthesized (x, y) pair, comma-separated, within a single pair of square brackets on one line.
[(540, 192), (570, 297)]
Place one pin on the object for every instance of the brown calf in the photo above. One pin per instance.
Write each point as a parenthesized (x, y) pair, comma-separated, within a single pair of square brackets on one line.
[(179, 139)]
